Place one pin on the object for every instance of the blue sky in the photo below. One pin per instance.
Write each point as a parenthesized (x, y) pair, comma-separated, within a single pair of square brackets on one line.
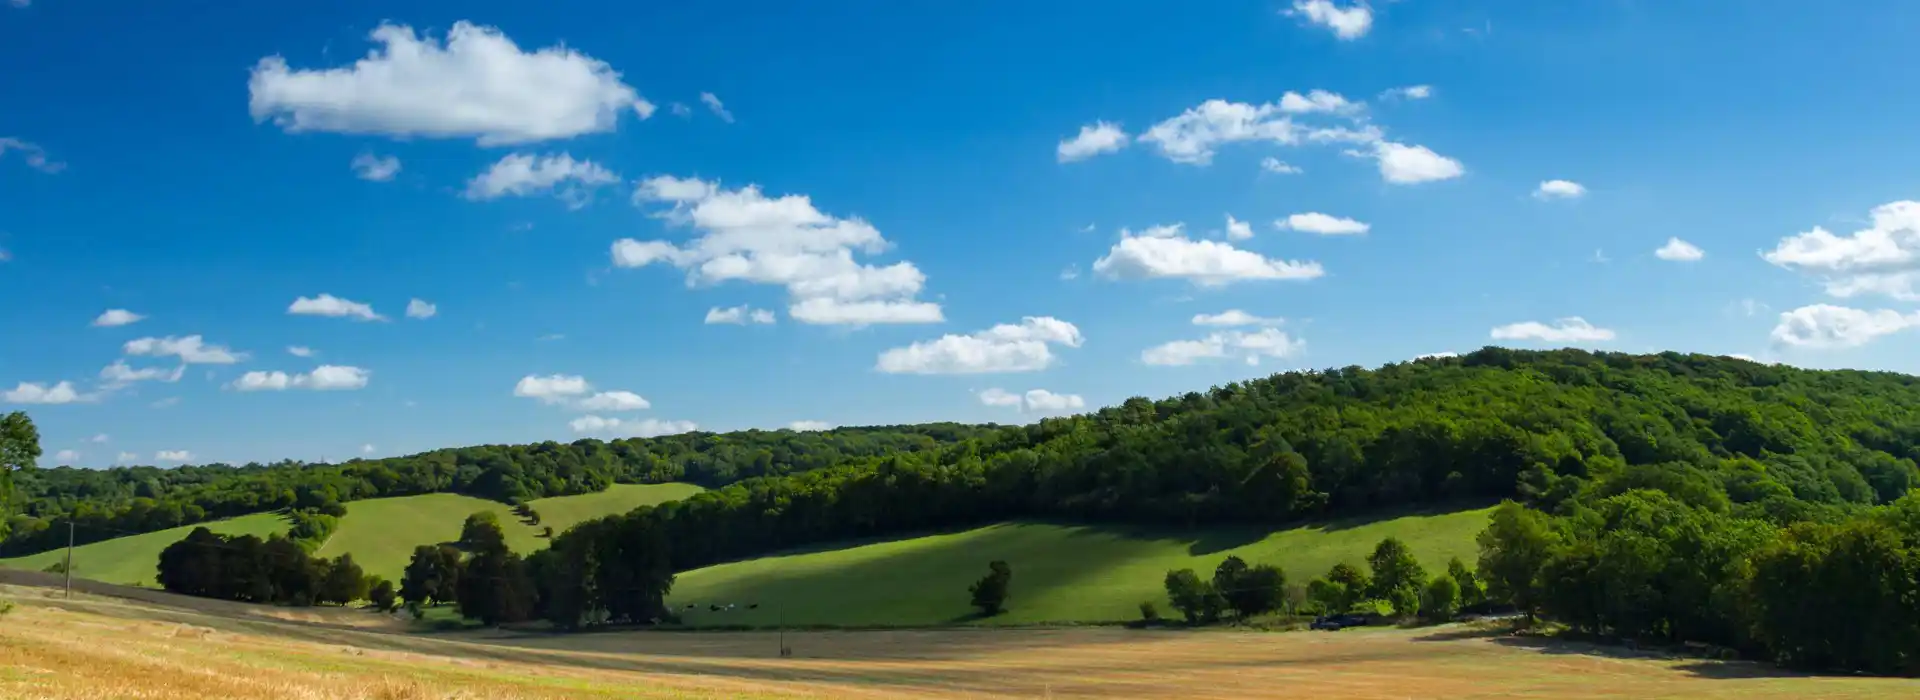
[(886, 175)]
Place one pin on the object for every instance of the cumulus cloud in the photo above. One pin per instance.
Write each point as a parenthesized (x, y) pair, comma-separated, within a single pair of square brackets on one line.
[(37, 393), (366, 449), (33, 155), (1234, 317), (1194, 135), (67, 457), (1166, 252), (714, 105), (300, 351), (1250, 347), (643, 428), (808, 426), (478, 84), (1401, 164), (1238, 230), (1034, 401), (1277, 166), (739, 315), (1093, 139), (750, 237), (421, 308), (120, 374), (1347, 23), (1410, 92), (322, 378), (1677, 250), (613, 401), (116, 317), (1317, 101), (1559, 189), (172, 456), (190, 349), (330, 305), (126, 458), (553, 388), (523, 174), (98, 438), (1883, 258), (1323, 224), (1826, 327), (1566, 330), (368, 166), (1003, 348)]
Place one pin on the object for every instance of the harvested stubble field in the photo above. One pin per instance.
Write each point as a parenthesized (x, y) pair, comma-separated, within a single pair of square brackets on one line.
[(95, 647)]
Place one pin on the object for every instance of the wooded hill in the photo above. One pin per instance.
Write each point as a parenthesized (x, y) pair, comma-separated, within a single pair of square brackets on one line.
[(125, 500)]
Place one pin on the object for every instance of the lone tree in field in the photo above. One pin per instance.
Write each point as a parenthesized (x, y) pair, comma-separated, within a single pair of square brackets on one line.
[(1397, 576), (1249, 591), (481, 531), (990, 592)]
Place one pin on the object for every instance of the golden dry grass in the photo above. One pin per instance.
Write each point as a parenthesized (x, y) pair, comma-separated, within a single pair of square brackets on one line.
[(104, 648)]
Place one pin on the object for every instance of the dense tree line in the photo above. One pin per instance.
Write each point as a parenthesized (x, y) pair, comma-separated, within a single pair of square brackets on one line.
[(1769, 443), (274, 570), (143, 499)]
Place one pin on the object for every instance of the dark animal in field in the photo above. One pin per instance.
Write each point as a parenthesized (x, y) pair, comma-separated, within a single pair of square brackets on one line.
[(753, 606), (713, 608)]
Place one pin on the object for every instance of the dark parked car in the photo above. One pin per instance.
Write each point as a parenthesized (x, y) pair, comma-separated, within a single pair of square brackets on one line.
[(1337, 622)]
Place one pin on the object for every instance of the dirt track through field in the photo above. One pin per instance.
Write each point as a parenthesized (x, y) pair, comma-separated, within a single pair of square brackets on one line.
[(104, 648)]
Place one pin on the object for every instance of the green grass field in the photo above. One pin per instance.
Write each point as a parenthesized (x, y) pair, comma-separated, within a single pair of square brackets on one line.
[(380, 533), (133, 559), (1061, 573)]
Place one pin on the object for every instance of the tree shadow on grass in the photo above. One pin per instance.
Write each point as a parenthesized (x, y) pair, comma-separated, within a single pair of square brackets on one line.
[(1699, 667)]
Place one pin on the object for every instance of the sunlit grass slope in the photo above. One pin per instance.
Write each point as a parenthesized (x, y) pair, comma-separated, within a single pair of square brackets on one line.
[(134, 559), (1061, 573)]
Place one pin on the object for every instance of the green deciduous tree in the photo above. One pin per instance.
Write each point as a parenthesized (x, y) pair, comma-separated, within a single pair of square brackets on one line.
[(1513, 549), (990, 593), (1441, 599)]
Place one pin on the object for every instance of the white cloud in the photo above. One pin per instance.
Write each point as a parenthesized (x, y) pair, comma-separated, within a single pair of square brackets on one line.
[(1234, 317), (1883, 258), (1824, 326), (523, 174), (1093, 139), (553, 388), (421, 308), (1565, 330), (366, 449), (613, 401), (1238, 230), (322, 378), (739, 315), (1275, 165), (1316, 101), (300, 351), (808, 426), (1678, 250), (126, 457), (999, 397), (1193, 136), (680, 109), (98, 438), (190, 349), (1559, 189), (645, 428), (368, 166), (478, 84), (1047, 401), (1248, 346), (172, 456), (67, 457), (714, 105), (36, 393), (1347, 23), (34, 155), (116, 317), (749, 237), (1166, 252), (121, 374), (1410, 92), (1002, 348), (1323, 224), (330, 305), (1402, 164)]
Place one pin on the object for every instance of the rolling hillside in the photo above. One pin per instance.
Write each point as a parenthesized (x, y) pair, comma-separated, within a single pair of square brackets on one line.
[(1061, 573), (380, 533)]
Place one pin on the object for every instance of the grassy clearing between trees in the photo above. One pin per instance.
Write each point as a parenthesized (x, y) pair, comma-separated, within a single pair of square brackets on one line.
[(1061, 573), (98, 647), (380, 533)]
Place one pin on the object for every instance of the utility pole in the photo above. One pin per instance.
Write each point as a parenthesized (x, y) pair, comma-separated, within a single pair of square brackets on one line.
[(68, 568)]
